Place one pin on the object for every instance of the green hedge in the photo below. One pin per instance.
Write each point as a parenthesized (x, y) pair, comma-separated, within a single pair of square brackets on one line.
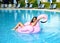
[(0, 4), (34, 2), (47, 4), (58, 4), (22, 3)]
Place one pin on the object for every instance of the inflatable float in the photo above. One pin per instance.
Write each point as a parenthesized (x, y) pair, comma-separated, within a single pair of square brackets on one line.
[(32, 29)]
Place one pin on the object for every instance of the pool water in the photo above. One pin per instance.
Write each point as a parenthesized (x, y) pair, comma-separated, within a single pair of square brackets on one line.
[(50, 31)]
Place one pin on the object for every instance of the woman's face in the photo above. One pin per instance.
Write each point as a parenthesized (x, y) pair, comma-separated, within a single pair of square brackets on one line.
[(34, 19)]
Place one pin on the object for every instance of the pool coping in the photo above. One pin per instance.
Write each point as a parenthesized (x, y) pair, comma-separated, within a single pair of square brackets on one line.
[(54, 10)]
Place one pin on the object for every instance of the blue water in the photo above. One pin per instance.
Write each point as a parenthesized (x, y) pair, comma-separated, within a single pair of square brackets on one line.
[(50, 31)]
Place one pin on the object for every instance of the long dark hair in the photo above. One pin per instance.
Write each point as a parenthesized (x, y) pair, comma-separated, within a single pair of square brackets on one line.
[(33, 18)]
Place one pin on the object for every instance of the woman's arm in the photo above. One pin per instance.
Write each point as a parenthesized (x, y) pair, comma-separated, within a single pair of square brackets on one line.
[(34, 23), (43, 16)]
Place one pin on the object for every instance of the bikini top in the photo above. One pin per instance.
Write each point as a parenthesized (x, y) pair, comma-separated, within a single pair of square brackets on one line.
[(28, 23)]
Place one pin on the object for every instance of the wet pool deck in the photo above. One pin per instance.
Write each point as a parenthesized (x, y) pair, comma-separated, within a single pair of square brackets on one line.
[(56, 10)]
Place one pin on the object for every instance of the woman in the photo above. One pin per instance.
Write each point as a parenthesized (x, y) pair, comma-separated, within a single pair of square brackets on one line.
[(30, 27)]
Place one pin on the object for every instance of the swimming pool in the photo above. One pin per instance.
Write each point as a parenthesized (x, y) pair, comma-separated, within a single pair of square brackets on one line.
[(50, 32)]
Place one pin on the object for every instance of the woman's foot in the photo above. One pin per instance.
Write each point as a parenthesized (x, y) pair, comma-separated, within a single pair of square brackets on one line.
[(15, 28)]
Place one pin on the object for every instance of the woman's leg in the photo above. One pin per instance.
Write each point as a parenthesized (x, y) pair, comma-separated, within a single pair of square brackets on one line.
[(19, 24)]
